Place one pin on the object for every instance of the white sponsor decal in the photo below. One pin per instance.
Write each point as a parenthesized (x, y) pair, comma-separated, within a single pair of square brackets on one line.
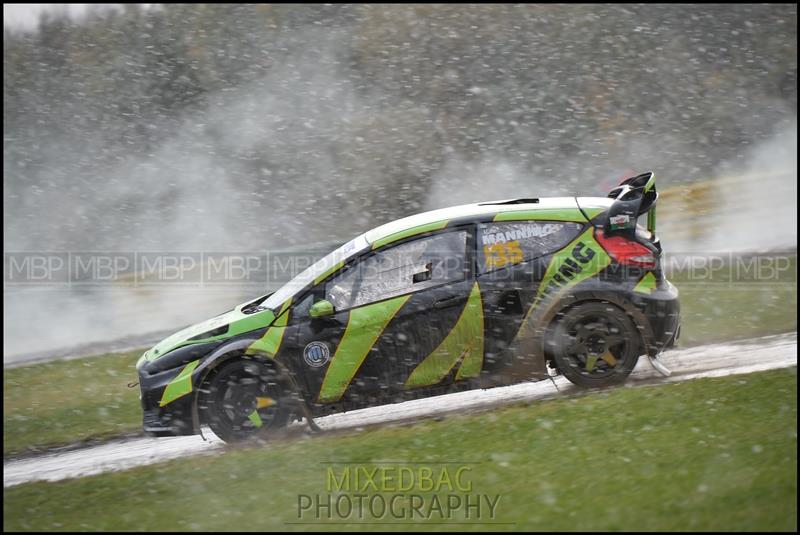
[(621, 219), (316, 354), (521, 232)]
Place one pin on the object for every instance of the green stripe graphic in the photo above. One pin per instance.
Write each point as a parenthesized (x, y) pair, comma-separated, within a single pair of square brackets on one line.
[(363, 329), (465, 340)]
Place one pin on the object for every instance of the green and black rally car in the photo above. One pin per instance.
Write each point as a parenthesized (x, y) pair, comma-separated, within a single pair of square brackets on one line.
[(464, 297)]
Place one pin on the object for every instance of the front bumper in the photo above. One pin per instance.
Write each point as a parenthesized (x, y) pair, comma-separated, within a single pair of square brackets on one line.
[(173, 419)]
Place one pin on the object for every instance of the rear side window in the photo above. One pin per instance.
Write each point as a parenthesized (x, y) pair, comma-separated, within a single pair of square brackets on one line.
[(410, 267), (506, 244)]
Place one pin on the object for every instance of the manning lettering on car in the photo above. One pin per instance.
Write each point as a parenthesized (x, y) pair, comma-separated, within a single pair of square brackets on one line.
[(524, 232)]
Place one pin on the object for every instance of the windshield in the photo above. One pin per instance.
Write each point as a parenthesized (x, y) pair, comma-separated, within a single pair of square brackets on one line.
[(315, 270)]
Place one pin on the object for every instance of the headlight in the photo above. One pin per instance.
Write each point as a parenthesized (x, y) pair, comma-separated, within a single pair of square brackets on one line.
[(179, 357)]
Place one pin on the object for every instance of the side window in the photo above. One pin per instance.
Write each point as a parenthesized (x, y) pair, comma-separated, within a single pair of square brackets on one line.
[(410, 267), (505, 244)]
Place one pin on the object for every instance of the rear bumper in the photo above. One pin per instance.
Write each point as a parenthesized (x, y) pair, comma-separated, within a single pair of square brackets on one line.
[(662, 310)]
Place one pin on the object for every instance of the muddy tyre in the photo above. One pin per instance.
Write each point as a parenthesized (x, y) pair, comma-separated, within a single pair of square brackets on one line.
[(595, 345), (246, 398)]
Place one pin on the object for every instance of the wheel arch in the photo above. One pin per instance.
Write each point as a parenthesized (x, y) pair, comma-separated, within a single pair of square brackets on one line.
[(236, 349), (553, 312)]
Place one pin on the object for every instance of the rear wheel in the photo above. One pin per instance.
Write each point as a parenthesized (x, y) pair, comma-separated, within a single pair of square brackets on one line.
[(246, 398), (595, 345)]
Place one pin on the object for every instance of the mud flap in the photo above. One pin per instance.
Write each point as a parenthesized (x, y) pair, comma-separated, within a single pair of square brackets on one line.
[(312, 425), (659, 366), (656, 363)]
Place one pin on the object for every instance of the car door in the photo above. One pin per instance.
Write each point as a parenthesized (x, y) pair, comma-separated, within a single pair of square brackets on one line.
[(512, 258), (390, 310)]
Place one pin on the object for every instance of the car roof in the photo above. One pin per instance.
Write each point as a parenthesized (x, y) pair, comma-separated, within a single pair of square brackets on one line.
[(551, 208), (435, 219)]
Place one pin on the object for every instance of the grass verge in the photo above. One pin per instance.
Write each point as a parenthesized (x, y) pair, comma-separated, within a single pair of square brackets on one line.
[(708, 454), (737, 299), (60, 402)]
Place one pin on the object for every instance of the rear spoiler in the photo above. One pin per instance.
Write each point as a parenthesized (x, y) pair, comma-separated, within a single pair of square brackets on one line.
[(632, 198)]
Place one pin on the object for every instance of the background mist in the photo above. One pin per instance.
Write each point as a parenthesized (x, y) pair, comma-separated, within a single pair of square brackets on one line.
[(254, 127)]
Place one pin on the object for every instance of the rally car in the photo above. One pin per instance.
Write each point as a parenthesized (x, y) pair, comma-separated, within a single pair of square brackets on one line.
[(464, 297)]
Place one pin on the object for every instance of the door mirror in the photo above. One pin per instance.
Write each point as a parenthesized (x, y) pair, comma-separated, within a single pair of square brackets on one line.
[(320, 309)]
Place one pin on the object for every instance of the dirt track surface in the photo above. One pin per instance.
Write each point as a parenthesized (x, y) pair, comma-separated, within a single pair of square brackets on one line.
[(714, 360)]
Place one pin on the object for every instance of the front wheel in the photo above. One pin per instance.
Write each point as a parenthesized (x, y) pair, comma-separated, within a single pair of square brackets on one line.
[(246, 398), (595, 345)]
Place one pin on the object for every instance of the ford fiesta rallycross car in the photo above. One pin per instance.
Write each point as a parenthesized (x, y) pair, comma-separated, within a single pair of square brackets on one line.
[(464, 297)]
